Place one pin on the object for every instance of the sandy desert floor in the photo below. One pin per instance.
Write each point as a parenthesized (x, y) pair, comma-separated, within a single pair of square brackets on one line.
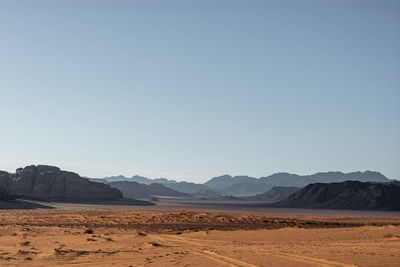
[(194, 238)]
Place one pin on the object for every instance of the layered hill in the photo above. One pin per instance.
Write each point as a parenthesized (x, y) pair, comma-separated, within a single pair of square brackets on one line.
[(245, 189), (277, 193), (198, 190), (52, 184), (352, 195), (225, 181), (143, 191), (245, 186), (135, 178)]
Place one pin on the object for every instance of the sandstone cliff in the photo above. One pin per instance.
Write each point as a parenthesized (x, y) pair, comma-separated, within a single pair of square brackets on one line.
[(51, 183)]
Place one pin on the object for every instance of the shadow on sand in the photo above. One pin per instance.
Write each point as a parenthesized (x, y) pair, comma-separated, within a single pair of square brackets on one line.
[(21, 204), (42, 204), (124, 201)]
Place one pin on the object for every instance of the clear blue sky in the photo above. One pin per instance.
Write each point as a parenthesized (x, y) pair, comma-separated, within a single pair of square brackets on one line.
[(194, 89)]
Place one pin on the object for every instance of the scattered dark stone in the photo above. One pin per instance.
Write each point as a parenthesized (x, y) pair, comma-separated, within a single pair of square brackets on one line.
[(142, 234), (26, 243)]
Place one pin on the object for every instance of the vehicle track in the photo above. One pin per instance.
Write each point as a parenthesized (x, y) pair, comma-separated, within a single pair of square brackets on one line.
[(198, 248), (234, 262)]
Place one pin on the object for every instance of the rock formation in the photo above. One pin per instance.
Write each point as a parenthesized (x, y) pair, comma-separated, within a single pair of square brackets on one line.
[(351, 195), (52, 184)]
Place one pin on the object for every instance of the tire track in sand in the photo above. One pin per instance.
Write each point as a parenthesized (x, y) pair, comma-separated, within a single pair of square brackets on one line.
[(309, 260), (203, 252), (234, 262)]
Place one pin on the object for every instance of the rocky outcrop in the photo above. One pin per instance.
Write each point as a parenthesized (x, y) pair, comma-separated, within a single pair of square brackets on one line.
[(52, 184), (351, 195)]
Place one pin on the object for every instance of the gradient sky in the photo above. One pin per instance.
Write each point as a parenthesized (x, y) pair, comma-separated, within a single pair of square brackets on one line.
[(194, 89)]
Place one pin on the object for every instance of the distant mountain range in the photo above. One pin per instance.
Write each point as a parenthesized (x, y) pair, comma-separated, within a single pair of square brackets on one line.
[(250, 186), (144, 191), (353, 195), (331, 190), (197, 190), (135, 178), (245, 185)]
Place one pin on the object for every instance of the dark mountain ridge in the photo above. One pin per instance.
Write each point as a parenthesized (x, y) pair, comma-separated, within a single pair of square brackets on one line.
[(353, 195)]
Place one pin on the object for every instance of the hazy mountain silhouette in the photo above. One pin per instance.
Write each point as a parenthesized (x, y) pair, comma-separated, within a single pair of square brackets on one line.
[(245, 185), (131, 189), (277, 193), (224, 181), (244, 189), (287, 179), (249, 186), (135, 178), (199, 190)]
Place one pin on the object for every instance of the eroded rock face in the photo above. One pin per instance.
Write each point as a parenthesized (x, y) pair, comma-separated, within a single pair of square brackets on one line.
[(5, 181), (51, 183), (4, 194)]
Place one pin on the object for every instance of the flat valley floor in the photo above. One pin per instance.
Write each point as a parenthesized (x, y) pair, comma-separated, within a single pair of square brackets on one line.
[(167, 235)]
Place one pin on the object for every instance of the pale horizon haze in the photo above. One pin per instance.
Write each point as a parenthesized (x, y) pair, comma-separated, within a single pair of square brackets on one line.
[(189, 90)]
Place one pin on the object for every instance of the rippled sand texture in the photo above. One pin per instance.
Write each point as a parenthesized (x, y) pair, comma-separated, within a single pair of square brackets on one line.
[(137, 238)]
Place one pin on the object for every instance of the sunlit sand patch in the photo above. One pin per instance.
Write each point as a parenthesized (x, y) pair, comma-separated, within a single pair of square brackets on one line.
[(190, 238)]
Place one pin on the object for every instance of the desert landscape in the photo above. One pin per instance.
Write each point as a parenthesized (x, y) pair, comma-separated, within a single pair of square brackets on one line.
[(163, 235), (52, 217), (200, 133)]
